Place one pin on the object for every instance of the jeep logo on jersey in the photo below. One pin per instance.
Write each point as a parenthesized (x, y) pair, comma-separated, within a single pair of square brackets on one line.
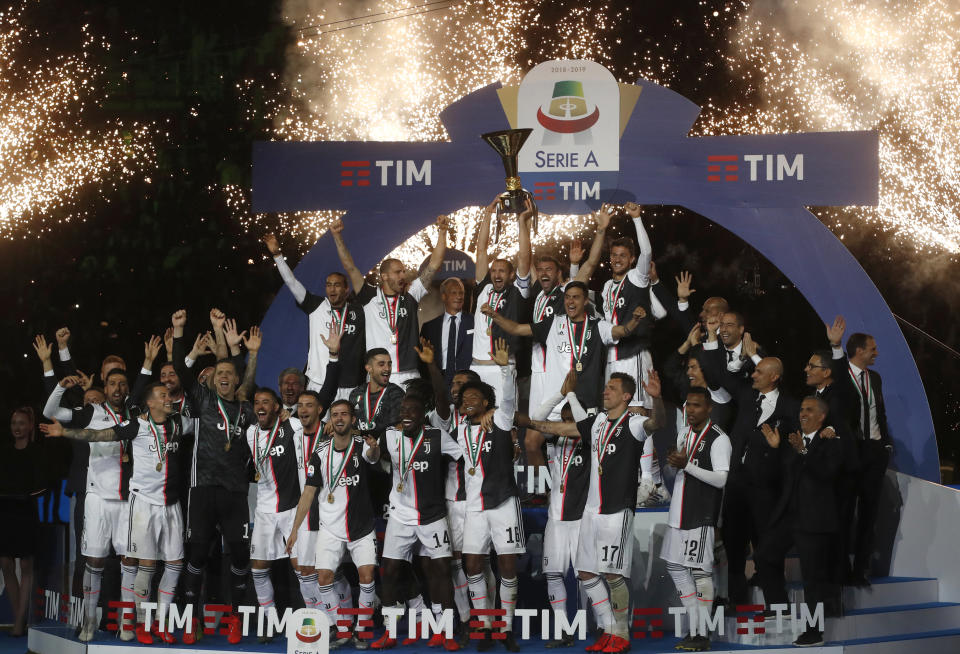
[(611, 448), (276, 450), (487, 445), (573, 108), (352, 480), (399, 172), (169, 447), (576, 461), (420, 466)]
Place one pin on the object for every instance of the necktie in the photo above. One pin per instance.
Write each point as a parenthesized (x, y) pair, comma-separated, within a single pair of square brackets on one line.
[(451, 362), (806, 442), (758, 410), (865, 417), (729, 356)]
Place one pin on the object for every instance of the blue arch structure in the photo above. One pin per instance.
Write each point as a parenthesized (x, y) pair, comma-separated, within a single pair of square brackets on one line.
[(659, 164)]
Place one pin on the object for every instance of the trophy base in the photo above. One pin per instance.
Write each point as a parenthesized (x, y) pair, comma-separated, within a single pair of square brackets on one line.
[(513, 202)]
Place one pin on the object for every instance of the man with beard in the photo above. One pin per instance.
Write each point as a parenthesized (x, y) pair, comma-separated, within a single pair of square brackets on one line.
[(218, 493), (346, 512), (549, 303), (390, 308), (615, 440), (504, 289), (702, 460), (105, 502), (627, 289), (377, 403), (418, 510), (324, 313)]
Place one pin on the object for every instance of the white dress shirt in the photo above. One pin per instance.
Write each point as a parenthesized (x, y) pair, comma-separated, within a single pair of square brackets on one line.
[(767, 405), (445, 333), (874, 420)]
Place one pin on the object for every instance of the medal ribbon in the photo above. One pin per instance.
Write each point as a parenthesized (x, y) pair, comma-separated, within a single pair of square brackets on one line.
[(473, 449), (696, 440), (542, 301), (339, 318), (376, 407), (161, 447), (308, 444), (334, 479), (223, 414), (566, 459), (406, 465), (864, 393), (391, 316), (260, 458), (113, 416), (613, 296), (493, 300), (608, 430), (576, 353)]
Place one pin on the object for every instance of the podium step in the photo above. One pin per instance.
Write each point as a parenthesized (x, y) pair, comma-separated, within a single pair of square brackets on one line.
[(891, 591), (897, 620)]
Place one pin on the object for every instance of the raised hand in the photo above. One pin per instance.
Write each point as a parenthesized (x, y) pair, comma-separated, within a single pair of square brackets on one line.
[(43, 349), (529, 210), (796, 440), (443, 223), (652, 272), (652, 386), (70, 382), (271, 242), (836, 330), (63, 337), (749, 346), (168, 342), (54, 431), (683, 286), (200, 345), (254, 340), (713, 324), (569, 382), (179, 318), (336, 226), (772, 434), (693, 338), (602, 218), (332, 340), (217, 318), (576, 252), (501, 355), (632, 209), (425, 351), (151, 349), (486, 420), (230, 332)]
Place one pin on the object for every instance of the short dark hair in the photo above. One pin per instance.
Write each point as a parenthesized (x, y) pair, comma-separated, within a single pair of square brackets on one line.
[(315, 395), (741, 321), (346, 282), (485, 389), (343, 402), (386, 263), (821, 403), (269, 391), (375, 352), (627, 383), (116, 371), (700, 390), (624, 242), (168, 364), (421, 390), (549, 258), (471, 375), (149, 390), (580, 285), (506, 261), (826, 357), (229, 361), (857, 341), (292, 371)]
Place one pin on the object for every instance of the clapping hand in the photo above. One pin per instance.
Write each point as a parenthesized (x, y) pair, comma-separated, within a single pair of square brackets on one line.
[(677, 459), (772, 434)]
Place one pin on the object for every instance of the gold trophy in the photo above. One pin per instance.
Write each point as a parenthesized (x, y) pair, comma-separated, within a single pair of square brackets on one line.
[(507, 143)]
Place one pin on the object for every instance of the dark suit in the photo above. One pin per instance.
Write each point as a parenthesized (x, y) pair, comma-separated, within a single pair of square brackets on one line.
[(874, 455), (677, 385), (686, 318), (754, 484), (806, 516), (432, 330)]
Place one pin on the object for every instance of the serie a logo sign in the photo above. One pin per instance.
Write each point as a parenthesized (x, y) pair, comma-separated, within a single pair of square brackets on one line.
[(308, 632)]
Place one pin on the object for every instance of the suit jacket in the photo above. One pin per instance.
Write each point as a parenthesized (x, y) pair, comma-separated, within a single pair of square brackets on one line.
[(808, 500), (686, 318), (432, 330), (676, 385), (714, 364), (851, 403), (837, 418), (753, 461)]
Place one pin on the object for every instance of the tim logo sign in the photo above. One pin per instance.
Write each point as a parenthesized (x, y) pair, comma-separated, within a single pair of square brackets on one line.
[(573, 108), (308, 632)]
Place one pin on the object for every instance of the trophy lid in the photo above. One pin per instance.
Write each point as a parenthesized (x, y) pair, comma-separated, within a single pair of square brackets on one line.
[(507, 142)]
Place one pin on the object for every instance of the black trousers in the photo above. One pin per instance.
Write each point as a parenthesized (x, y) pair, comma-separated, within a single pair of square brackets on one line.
[(874, 458), (816, 554), (846, 496), (746, 515)]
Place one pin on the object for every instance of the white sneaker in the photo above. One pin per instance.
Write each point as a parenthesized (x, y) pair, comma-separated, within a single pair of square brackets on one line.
[(127, 635), (87, 629)]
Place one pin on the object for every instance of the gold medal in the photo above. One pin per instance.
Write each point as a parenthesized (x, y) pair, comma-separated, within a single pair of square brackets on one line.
[(393, 339), (472, 471), (330, 498), (599, 470), (562, 486), (226, 448), (489, 331), (400, 487), (579, 367), (256, 476), (159, 467), (125, 458)]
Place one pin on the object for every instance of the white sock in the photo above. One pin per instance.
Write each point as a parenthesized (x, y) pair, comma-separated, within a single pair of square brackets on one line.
[(128, 577), (508, 600), (141, 588), (330, 602), (600, 601), (478, 595), (417, 604), (168, 582), (460, 590), (704, 582), (683, 580), (368, 594), (92, 578), (263, 586), (310, 590), (556, 593), (344, 592), (620, 603)]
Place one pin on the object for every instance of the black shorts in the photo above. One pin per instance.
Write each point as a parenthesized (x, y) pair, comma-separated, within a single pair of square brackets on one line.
[(21, 540), (211, 507)]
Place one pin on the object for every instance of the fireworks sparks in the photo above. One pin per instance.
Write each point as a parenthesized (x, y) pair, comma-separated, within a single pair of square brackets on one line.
[(46, 154), (890, 66)]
